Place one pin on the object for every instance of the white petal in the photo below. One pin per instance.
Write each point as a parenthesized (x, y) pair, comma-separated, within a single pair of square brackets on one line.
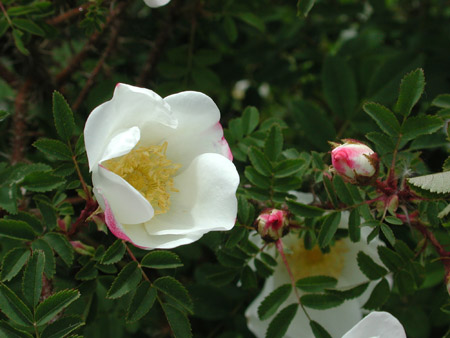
[(140, 237), (379, 325), (156, 3), (206, 200), (198, 131), (129, 107), (128, 204), (122, 143)]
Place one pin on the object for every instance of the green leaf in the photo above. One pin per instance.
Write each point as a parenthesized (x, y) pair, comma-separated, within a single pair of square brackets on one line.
[(437, 183), (263, 269), (403, 250), (328, 228), (250, 120), (8, 198), (3, 114), (48, 213), (368, 267), (304, 210), (230, 28), (320, 301), (289, 167), (354, 221), (339, 86), (442, 101), (304, 6), (393, 220), (379, 295), (329, 188), (318, 330), (61, 245), (248, 278), (316, 283), (126, 281), (350, 293), (268, 259), (342, 191), (54, 304), (404, 282), (176, 291), (388, 233), (8, 331), (16, 230), (13, 307), (42, 182), (50, 265), (256, 178), (32, 278), (420, 125), (13, 262), (62, 327), (63, 116), (392, 260), (17, 35), (411, 89), (114, 253), (252, 20), (260, 162), (280, 324), (88, 271), (383, 143), (28, 25), (385, 119), (178, 321), (160, 259), (273, 301), (274, 143), (54, 148), (142, 302)]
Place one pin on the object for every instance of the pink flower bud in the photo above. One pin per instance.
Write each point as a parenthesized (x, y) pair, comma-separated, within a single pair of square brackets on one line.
[(272, 224), (355, 162)]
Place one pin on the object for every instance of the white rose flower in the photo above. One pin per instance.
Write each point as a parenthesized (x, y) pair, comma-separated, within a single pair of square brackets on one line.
[(377, 325), (161, 168), (339, 263), (156, 3)]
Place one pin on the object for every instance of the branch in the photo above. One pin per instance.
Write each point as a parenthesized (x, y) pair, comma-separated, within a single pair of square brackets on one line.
[(18, 123), (76, 61), (67, 15), (93, 75)]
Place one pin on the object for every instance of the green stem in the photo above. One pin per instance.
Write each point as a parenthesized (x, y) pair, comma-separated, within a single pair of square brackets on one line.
[(6, 14)]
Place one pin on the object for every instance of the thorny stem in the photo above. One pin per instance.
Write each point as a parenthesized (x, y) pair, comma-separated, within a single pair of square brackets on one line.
[(279, 246), (98, 67), (90, 207), (83, 183), (67, 15), (19, 125)]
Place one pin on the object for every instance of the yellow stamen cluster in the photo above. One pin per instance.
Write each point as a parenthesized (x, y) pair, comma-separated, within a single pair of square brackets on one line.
[(306, 263), (149, 171)]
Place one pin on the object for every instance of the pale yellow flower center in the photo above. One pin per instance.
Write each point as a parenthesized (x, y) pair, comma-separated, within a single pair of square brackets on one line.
[(306, 263), (149, 171)]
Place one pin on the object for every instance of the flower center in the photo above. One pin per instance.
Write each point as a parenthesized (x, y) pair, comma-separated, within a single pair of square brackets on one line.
[(149, 171), (306, 263)]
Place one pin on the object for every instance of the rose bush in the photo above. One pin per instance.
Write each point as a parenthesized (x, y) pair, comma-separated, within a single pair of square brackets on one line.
[(161, 168)]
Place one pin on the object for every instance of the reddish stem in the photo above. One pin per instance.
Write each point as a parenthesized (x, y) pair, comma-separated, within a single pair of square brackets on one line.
[(67, 15), (90, 208)]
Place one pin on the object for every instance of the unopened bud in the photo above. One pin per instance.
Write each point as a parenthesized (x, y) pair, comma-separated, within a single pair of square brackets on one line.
[(355, 162), (272, 224)]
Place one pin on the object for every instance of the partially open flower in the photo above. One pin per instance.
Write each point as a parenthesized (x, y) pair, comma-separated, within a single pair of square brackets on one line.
[(377, 324), (272, 224), (355, 162), (156, 3), (340, 262), (161, 169)]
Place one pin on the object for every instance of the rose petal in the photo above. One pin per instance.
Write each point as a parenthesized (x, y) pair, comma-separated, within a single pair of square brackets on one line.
[(377, 324), (129, 206), (130, 106), (156, 3), (206, 200), (122, 143), (140, 237), (198, 131)]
